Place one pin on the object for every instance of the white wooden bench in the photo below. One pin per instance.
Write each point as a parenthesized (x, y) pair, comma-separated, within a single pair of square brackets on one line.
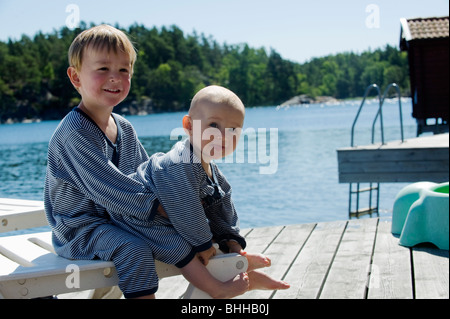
[(29, 267)]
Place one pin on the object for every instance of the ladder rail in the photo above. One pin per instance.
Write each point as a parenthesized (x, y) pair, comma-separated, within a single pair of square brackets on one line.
[(366, 93), (379, 115)]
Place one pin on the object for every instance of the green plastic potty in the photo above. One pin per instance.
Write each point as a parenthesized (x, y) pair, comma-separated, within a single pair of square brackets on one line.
[(428, 218), (402, 203)]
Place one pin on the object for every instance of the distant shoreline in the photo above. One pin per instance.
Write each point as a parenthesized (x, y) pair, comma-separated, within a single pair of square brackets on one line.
[(125, 110)]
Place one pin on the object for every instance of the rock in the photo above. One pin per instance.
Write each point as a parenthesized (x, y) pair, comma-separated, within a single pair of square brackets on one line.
[(306, 99), (299, 99)]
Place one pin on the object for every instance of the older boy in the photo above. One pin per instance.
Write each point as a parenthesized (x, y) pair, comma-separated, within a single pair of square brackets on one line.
[(89, 157)]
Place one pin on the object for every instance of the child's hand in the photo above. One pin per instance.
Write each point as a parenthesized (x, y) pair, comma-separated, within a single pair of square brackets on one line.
[(234, 247), (205, 255)]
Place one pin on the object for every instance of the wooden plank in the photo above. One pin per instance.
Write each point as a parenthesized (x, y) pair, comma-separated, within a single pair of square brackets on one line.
[(36, 261), (18, 214), (259, 239), (348, 275), (385, 155), (431, 273), (309, 270), (13, 204), (174, 287), (398, 177), (41, 286), (282, 251), (391, 267), (21, 250), (394, 166), (393, 170), (345, 259), (423, 142), (423, 158)]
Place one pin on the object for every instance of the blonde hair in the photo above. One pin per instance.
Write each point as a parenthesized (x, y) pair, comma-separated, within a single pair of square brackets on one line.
[(98, 38)]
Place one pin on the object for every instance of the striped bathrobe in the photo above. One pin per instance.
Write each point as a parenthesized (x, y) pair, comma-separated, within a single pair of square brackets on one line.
[(98, 207), (200, 209), (87, 175)]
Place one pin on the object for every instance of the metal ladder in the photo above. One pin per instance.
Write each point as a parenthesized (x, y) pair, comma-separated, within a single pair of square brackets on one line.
[(373, 188), (366, 210)]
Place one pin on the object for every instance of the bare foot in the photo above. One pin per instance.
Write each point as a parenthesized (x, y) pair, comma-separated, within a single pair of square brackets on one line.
[(256, 261), (260, 280), (234, 287)]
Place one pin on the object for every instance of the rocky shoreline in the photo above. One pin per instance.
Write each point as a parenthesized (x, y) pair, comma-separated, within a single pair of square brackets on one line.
[(146, 107), (306, 99)]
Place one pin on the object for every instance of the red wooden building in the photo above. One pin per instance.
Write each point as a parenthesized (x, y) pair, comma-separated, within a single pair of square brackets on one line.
[(427, 42)]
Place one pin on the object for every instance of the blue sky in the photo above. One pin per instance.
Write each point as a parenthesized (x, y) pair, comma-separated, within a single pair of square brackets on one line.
[(298, 30)]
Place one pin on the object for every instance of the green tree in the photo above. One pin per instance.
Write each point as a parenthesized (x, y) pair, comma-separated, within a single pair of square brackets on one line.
[(282, 80), (172, 66)]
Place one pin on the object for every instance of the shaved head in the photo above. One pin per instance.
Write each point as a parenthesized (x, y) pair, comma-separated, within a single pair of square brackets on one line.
[(214, 95)]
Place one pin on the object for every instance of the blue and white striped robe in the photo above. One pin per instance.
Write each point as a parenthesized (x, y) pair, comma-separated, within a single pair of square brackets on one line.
[(199, 209), (89, 191), (87, 175)]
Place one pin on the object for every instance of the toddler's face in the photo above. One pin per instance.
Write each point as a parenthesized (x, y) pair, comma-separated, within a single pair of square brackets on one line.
[(220, 127)]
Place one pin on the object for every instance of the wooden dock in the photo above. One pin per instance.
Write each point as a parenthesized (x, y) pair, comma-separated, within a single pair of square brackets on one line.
[(355, 259), (351, 259), (418, 159)]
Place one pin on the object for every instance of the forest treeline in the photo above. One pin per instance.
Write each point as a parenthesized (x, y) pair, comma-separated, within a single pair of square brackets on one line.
[(172, 66)]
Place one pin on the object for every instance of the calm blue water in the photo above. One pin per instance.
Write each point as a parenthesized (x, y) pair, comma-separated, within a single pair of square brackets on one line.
[(303, 189)]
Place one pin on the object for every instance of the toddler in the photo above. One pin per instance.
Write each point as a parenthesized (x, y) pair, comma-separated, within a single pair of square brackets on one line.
[(195, 195)]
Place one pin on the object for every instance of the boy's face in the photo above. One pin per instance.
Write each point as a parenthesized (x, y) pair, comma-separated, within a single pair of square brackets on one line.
[(104, 78), (220, 127)]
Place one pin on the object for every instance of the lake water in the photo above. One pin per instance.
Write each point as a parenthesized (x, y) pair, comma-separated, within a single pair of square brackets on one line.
[(302, 186)]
